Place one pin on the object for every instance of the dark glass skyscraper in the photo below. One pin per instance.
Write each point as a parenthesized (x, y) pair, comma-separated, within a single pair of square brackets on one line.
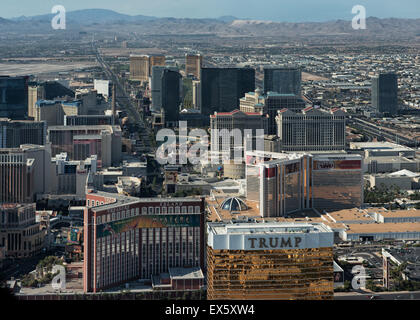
[(221, 88), (13, 133), (284, 80), (13, 97), (385, 93), (171, 94)]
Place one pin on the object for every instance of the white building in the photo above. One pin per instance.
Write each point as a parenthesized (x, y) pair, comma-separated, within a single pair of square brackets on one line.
[(102, 87)]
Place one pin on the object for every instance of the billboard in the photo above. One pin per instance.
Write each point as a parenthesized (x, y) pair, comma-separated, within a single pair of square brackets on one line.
[(338, 276), (73, 236), (148, 221)]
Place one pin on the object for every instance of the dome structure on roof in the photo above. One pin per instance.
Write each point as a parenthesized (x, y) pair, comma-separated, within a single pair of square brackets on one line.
[(233, 204)]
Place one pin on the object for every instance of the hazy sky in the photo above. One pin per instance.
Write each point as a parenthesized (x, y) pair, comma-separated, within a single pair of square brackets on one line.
[(276, 10)]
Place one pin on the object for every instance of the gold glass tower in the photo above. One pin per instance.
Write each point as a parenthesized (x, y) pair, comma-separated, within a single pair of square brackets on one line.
[(285, 265)]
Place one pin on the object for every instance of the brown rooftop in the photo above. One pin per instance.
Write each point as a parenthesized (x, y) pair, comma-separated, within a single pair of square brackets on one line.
[(400, 213), (218, 214), (350, 214), (383, 227)]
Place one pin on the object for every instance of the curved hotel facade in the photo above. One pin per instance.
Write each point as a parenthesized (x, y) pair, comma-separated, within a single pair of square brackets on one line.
[(128, 238)]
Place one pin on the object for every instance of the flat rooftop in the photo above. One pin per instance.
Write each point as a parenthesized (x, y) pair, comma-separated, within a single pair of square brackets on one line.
[(125, 200), (391, 159), (383, 227), (186, 273), (377, 146), (216, 213), (85, 127), (353, 214), (221, 228), (412, 213)]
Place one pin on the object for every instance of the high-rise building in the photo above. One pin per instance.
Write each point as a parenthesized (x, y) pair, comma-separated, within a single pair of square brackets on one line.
[(127, 238), (239, 120), (269, 104), (88, 99), (88, 120), (35, 92), (16, 174), (80, 142), (385, 93), (24, 172), (158, 73), (196, 94), (156, 60), (141, 66), (53, 111), (193, 65), (284, 183), (221, 88), (171, 95), (284, 80), (49, 90), (14, 133), (311, 129), (166, 86), (102, 87), (13, 97), (70, 175), (55, 89), (269, 261), (20, 234), (156, 88)]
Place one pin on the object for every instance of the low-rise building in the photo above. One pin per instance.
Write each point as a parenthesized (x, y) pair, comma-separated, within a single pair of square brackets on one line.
[(381, 231), (403, 179)]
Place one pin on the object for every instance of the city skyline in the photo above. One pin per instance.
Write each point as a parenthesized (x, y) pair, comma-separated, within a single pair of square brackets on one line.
[(280, 11), (254, 151)]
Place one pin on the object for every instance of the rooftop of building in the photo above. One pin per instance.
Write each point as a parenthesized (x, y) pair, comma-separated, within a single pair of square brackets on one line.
[(87, 137), (273, 94), (390, 159), (383, 228), (385, 145), (398, 174), (238, 112), (217, 213), (22, 148), (78, 116), (186, 273), (411, 213), (266, 228), (353, 214), (5, 206), (85, 127), (318, 155), (120, 199), (13, 121)]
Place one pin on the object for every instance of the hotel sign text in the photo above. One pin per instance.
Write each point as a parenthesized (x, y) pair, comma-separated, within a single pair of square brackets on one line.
[(261, 243)]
